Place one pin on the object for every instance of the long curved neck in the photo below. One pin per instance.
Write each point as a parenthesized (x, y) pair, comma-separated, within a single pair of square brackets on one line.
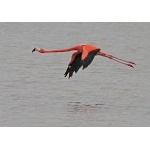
[(77, 48)]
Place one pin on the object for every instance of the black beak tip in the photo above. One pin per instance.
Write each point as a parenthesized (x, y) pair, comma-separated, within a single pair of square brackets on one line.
[(33, 50)]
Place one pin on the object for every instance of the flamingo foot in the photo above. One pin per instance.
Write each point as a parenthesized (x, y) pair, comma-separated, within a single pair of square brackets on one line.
[(130, 65)]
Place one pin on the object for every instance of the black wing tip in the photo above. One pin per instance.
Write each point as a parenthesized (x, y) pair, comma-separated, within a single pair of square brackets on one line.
[(69, 71)]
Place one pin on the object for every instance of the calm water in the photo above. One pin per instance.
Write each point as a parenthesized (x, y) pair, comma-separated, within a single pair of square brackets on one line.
[(34, 92)]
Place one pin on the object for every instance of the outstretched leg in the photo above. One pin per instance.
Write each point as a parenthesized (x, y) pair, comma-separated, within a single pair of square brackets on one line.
[(127, 63)]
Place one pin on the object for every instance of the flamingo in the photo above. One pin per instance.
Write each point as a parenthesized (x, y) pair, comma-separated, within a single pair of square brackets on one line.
[(83, 57)]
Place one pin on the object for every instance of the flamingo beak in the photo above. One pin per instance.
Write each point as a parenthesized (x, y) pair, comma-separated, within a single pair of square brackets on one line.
[(34, 50)]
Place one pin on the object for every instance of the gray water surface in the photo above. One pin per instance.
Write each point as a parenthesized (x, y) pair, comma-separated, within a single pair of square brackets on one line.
[(34, 91)]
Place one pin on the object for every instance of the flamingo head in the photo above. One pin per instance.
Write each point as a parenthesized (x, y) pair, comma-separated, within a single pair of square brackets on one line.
[(35, 49)]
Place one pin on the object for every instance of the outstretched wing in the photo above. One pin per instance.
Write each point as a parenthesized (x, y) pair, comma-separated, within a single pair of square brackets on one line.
[(74, 66), (88, 56)]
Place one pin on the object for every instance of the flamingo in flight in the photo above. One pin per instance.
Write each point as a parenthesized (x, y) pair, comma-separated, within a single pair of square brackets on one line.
[(83, 57)]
